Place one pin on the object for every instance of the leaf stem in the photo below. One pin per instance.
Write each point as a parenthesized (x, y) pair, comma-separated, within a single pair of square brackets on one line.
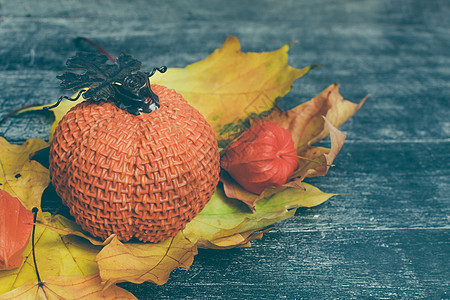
[(35, 211), (94, 44)]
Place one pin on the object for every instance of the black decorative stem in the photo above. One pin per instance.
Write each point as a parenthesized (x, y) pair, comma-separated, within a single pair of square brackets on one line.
[(35, 211), (110, 79), (134, 93), (96, 46)]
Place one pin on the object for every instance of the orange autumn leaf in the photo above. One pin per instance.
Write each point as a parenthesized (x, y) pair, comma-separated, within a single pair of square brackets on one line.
[(15, 229), (74, 287), (313, 121)]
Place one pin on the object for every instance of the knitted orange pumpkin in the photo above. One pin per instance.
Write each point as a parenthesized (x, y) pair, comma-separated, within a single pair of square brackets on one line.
[(140, 176)]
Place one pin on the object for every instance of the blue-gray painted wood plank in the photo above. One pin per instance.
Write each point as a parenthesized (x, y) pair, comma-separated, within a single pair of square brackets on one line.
[(389, 236)]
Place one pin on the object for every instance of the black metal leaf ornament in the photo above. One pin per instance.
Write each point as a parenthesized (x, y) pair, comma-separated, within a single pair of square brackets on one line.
[(99, 75), (100, 78)]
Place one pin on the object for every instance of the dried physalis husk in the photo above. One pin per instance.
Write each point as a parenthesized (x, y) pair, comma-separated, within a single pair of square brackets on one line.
[(263, 156)]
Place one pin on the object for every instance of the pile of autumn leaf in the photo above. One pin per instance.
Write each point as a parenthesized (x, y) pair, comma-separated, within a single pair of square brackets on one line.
[(72, 263)]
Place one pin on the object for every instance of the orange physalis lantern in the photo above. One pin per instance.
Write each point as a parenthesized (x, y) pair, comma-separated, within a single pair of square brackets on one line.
[(263, 156)]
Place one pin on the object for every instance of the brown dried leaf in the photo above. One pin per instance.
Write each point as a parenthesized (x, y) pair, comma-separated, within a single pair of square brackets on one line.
[(320, 159), (306, 122)]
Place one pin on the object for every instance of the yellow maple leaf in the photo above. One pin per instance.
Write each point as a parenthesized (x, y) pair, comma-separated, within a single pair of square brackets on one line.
[(229, 85), (56, 255), (139, 262), (21, 177), (75, 287)]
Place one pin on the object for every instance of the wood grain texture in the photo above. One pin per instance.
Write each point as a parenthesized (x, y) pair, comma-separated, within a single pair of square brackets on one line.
[(389, 236)]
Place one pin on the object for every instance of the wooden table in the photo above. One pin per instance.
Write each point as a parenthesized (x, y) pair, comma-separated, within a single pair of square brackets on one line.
[(389, 236)]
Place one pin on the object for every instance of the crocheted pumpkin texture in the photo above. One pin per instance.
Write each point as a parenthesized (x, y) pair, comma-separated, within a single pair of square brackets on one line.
[(142, 176)]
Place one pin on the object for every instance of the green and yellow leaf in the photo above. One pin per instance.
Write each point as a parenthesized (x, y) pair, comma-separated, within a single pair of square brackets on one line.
[(223, 217)]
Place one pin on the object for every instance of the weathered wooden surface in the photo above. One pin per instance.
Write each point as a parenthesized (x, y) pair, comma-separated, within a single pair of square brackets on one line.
[(389, 237)]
